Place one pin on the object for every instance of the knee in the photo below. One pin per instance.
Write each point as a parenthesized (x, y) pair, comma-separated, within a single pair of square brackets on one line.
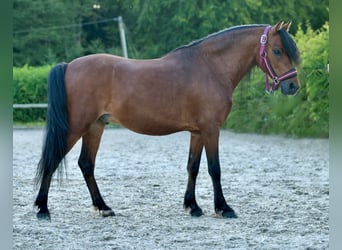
[(193, 165), (214, 171), (86, 166), (193, 170)]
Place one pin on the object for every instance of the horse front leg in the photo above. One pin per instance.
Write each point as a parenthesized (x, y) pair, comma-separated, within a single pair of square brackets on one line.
[(214, 169), (195, 152)]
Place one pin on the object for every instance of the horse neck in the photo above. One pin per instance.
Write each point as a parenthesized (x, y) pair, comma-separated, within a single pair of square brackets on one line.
[(233, 54)]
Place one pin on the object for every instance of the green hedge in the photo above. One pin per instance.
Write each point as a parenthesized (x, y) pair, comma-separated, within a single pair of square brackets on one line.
[(30, 86), (306, 114)]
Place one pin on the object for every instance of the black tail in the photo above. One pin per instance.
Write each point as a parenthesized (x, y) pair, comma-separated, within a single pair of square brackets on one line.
[(55, 142)]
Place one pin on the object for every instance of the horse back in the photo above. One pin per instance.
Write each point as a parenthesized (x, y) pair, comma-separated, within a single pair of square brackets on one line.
[(157, 96)]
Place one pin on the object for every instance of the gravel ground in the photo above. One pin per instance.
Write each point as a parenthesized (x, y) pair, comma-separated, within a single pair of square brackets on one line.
[(278, 186)]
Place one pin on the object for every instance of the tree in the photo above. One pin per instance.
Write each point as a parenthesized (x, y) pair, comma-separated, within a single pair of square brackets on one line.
[(48, 31), (36, 39)]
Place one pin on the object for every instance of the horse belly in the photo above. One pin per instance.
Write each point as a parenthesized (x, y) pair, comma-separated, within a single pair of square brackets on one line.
[(148, 124)]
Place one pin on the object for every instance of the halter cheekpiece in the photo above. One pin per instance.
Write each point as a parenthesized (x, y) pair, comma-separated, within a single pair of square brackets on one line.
[(270, 71)]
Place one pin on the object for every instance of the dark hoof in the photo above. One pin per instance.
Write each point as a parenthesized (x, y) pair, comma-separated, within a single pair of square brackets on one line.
[(197, 212), (225, 211), (43, 215), (229, 214), (226, 214), (107, 213)]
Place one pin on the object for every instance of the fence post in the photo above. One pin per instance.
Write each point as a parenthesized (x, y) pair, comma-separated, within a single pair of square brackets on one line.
[(122, 36)]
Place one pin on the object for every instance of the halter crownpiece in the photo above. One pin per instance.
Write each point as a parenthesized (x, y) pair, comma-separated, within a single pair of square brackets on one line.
[(270, 71)]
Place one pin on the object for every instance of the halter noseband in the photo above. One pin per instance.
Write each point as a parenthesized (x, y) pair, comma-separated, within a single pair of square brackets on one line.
[(263, 58)]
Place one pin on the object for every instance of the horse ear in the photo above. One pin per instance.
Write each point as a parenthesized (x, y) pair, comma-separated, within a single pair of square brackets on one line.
[(282, 25), (287, 26), (279, 25)]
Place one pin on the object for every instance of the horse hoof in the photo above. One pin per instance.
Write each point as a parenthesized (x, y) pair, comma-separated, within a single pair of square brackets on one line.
[(43, 215), (195, 211), (229, 214), (107, 213)]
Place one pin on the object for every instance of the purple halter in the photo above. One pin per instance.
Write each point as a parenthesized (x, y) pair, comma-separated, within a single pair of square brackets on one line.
[(263, 58)]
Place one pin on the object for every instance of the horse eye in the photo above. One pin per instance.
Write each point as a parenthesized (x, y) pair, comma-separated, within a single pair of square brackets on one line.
[(277, 52)]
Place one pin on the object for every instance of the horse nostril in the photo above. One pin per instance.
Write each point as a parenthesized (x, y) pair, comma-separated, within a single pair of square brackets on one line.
[(292, 86)]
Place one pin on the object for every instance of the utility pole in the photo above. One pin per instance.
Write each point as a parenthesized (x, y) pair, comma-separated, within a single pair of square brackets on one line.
[(122, 36)]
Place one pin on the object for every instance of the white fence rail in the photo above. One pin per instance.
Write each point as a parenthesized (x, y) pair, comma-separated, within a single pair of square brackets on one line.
[(30, 105)]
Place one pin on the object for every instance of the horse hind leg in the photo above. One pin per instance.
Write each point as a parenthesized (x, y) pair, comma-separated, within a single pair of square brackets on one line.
[(42, 197), (195, 152), (90, 145), (48, 165)]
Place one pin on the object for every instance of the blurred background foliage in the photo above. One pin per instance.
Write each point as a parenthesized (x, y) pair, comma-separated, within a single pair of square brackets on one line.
[(46, 32)]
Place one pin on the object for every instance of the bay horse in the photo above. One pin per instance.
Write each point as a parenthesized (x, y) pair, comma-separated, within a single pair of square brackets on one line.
[(188, 89)]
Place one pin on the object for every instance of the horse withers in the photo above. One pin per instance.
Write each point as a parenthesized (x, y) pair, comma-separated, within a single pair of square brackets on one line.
[(189, 89)]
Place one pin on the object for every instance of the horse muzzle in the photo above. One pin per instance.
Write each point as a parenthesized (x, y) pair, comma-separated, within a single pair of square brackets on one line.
[(289, 87)]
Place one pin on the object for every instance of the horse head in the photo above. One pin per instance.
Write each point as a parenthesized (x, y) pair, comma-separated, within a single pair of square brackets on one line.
[(278, 55)]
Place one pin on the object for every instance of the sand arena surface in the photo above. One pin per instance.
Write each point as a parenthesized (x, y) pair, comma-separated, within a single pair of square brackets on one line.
[(279, 188)]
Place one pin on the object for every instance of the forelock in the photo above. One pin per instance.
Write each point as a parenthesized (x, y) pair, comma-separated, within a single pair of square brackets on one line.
[(289, 46)]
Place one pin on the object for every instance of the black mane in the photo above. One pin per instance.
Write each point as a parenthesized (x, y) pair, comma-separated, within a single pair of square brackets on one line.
[(289, 46), (240, 27), (288, 43)]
